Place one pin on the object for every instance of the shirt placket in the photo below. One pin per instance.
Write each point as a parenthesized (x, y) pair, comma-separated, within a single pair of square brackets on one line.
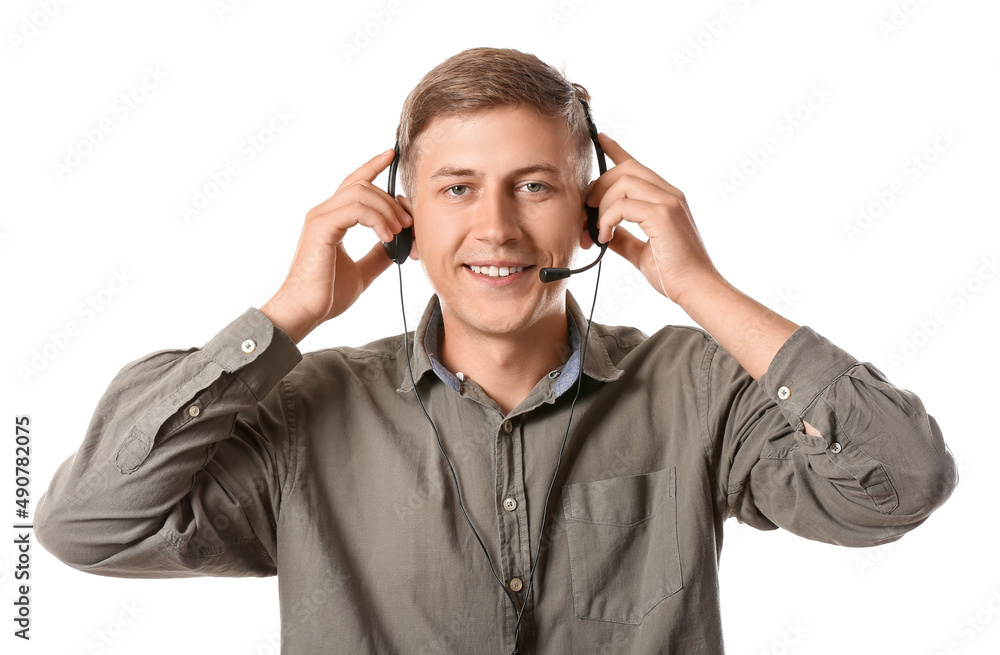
[(512, 523)]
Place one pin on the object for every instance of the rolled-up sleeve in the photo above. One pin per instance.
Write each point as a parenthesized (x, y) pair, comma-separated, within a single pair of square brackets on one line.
[(879, 469), (182, 467)]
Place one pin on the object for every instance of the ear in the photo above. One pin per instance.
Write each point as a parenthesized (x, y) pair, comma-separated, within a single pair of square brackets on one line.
[(585, 241), (408, 206)]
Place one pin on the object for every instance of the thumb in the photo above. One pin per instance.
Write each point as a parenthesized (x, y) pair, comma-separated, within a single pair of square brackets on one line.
[(373, 264), (628, 246)]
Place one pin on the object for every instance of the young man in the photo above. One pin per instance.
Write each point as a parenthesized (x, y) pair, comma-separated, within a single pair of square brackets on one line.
[(245, 457)]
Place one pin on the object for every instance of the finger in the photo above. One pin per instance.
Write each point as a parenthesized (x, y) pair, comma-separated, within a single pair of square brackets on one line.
[(613, 149), (625, 164), (337, 222), (373, 264), (627, 245), (630, 175), (407, 209), (635, 188), (652, 218), (370, 169), (363, 193)]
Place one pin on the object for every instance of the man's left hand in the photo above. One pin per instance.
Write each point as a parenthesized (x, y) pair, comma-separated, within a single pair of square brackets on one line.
[(674, 258)]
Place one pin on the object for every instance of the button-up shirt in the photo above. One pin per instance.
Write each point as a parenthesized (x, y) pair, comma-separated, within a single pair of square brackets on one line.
[(247, 458)]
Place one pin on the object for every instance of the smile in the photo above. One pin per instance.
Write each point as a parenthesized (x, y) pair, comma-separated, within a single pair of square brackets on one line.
[(494, 271)]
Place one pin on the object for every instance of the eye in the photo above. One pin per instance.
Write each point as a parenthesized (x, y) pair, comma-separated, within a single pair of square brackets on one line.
[(538, 186), (464, 189)]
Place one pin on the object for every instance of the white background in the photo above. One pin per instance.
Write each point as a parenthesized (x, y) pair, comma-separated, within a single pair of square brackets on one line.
[(779, 237)]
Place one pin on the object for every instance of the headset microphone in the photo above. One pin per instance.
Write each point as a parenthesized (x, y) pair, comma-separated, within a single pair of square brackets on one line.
[(553, 274)]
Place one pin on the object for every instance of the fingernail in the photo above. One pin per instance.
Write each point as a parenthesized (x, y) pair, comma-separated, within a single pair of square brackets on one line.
[(388, 151)]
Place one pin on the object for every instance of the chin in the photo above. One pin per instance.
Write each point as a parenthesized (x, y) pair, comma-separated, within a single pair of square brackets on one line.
[(494, 318)]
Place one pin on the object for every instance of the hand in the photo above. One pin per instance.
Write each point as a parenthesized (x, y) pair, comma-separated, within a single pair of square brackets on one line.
[(674, 258), (323, 280)]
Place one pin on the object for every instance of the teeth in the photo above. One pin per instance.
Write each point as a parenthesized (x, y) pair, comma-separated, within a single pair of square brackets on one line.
[(493, 271)]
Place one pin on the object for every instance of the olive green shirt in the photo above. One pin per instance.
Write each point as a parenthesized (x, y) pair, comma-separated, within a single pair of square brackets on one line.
[(247, 458)]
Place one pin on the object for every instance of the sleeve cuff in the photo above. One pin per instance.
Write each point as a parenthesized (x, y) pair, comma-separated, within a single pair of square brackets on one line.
[(803, 367), (250, 337)]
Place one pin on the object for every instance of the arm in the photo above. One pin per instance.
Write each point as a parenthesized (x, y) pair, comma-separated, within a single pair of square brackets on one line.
[(183, 466), (675, 262), (867, 465), (746, 329), (188, 455), (879, 470)]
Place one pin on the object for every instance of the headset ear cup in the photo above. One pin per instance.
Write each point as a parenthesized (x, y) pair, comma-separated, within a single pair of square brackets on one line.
[(592, 215), (399, 247)]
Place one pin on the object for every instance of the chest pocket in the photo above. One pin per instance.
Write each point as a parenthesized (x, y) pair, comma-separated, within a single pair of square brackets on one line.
[(623, 553)]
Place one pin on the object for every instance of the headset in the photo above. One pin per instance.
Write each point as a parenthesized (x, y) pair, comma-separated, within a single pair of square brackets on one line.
[(398, 250)]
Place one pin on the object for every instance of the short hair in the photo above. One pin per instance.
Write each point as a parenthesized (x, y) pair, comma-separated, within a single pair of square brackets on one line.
[(479, 79)]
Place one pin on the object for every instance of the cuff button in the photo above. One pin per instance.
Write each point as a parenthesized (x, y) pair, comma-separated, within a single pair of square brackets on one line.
[(249, 346), (784, 393)]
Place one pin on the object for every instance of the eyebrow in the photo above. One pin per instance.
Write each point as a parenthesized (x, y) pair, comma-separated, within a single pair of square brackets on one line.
[(455, 171)]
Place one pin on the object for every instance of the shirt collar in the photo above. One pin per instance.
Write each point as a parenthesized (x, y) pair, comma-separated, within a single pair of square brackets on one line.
[(423, 348)]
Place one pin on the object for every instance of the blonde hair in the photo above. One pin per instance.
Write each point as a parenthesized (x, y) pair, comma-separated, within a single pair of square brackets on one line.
[(478, 79)]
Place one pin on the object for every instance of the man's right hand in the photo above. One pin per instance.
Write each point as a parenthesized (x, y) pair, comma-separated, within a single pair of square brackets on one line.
[(323, 280)]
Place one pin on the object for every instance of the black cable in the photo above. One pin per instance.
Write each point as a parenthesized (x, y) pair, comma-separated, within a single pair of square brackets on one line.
[(555, 474), (440, 447)]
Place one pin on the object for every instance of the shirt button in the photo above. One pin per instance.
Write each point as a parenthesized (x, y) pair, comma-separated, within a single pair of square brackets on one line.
[(508, 427), (784, 393), (515, 584), (835, 448), (249, 346), (553, 375), (509, 504), (193, 411)]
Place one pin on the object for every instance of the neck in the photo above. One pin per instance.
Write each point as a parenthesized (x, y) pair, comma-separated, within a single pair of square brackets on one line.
[(506, 366)]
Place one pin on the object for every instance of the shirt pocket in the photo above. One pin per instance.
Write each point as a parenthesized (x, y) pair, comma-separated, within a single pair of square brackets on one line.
[(623, 552)]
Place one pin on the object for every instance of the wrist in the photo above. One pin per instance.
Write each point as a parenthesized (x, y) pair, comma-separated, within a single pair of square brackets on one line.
[(282, 316), (699, 287)]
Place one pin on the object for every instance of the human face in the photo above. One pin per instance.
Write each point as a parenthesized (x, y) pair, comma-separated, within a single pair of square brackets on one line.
[(497, 189)]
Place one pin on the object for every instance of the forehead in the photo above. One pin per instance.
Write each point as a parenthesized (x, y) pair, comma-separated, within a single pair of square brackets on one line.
[(494, 140)]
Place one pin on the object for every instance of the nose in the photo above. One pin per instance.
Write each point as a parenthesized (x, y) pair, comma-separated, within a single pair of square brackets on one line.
[(495, 218)]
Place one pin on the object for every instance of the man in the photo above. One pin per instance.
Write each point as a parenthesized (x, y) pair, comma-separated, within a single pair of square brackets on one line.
[(245, 457)]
